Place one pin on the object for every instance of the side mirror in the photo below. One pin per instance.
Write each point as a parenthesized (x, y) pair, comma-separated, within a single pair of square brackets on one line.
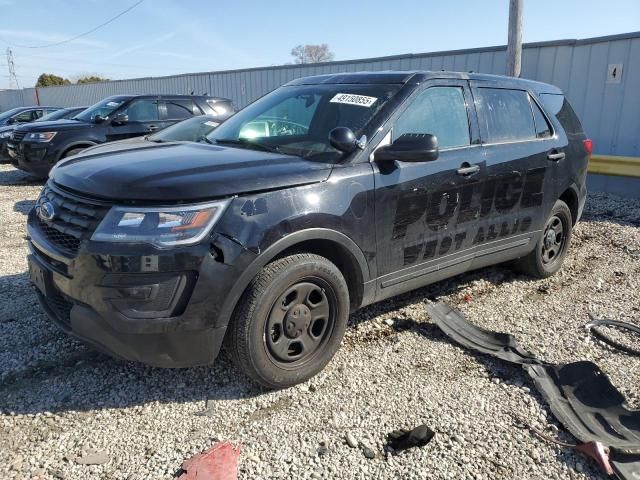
[(343, 139), (11, 121), (121, 119), (410, 147), (98, 119)]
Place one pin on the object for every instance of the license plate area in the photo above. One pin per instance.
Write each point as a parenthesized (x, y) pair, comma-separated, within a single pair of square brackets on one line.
[(41, 277)]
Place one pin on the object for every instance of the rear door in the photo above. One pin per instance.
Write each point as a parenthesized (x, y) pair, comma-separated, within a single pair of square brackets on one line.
[(426, 212), (522, 154), (144, 118)]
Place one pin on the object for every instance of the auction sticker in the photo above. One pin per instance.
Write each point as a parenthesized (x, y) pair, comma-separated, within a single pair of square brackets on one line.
[(351, 99)]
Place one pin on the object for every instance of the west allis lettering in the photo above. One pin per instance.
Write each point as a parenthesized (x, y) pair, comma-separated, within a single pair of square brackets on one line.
[(439, 210)]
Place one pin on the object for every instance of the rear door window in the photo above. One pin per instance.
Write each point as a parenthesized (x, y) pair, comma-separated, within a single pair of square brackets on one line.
[(440, 111), (179, 109), (505, 115)]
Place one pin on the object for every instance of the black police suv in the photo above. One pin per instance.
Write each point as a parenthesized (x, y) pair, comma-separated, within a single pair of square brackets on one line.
[(328, 194), (6, 132), (36, 148), (192, 129)]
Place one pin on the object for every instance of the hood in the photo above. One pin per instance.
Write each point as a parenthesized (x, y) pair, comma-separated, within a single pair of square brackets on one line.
[(183, 171), (129, 143), (54, 125)]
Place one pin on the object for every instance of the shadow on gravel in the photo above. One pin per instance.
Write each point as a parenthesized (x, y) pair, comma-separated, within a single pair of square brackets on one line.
[(17, 177), (23, 206), (62, 374)]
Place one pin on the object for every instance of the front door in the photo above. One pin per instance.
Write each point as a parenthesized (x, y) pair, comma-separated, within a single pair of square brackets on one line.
[(427, 212)]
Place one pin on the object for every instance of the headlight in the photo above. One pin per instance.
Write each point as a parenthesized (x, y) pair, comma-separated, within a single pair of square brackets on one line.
[(5, 134), (163, 227), (41, 136)]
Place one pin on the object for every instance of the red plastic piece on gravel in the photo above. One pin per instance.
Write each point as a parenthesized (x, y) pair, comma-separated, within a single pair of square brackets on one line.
[(219, 462)]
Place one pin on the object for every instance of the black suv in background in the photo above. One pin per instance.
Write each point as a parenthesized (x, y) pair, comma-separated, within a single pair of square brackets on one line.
[(36, 148), (328, 194), (6, 132)]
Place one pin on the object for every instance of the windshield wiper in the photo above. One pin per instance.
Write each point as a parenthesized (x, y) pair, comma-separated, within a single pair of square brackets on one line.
[(204, 138), (243, 142)]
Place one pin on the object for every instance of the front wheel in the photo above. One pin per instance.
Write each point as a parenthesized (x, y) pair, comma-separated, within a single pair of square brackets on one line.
[(552, 246), (290, 321)]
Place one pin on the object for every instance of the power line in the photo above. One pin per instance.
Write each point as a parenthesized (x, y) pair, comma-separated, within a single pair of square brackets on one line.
[(82, 34)]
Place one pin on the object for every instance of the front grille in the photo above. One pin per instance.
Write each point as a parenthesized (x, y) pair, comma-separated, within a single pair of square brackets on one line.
[(75, 218), (17, 135)]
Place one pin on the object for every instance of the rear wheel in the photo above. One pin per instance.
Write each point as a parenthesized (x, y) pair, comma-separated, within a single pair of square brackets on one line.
[(552, 246), (290, 321)]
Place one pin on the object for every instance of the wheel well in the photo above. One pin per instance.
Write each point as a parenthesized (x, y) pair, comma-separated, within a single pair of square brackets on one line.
[(571, 199), (74, 147), (341, 257)]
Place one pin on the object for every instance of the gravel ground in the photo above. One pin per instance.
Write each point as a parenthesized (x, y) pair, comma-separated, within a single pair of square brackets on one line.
[(62, 404)]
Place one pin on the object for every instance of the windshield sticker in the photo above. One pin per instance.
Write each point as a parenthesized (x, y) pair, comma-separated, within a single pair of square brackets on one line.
[(112, 104), (211, 124), (350, 99)]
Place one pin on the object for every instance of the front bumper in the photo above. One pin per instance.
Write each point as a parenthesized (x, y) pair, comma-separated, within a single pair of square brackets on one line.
[(34, 158), (4, 151), (135, 302)]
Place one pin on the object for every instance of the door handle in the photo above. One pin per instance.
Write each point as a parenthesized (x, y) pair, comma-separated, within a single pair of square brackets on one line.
[(152, 128), (468, 170), (556, 156)]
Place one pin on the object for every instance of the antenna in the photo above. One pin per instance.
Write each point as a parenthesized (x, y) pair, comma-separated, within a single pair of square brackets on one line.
[(13, 79)]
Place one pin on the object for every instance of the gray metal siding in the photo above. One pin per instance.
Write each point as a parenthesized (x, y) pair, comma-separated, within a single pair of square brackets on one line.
[(609, 111)]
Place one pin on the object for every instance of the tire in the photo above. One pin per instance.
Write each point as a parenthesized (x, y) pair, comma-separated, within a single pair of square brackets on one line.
[(290, 321), (552, 246), (73, 151)]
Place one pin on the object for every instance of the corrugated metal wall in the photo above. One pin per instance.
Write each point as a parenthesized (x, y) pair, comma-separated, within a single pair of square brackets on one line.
[(610, 112)]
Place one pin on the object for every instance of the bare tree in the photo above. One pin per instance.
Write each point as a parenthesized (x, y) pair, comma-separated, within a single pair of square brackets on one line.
[(312, 53)]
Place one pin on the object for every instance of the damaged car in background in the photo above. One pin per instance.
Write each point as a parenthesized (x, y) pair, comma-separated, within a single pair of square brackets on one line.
[(326, 195)]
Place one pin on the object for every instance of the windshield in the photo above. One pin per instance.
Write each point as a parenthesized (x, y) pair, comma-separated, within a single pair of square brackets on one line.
[(58, 114), (191, 130), (297, 120), (9, 113), (103, 108)]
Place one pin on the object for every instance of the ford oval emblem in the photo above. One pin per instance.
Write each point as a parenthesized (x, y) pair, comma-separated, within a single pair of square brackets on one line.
[(46, 211)]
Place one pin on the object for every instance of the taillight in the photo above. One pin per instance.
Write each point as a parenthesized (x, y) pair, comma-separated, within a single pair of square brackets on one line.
[(588, 146)]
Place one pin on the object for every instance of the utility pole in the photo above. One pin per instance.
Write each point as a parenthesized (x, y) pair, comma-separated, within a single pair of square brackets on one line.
[(514, 46), (13, 79)]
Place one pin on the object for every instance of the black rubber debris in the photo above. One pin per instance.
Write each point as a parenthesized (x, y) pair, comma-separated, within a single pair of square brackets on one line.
[(624, 326), (579, 394), (402, 439)]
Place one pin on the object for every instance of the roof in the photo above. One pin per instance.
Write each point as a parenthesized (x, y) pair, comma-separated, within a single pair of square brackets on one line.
[(418, 76)]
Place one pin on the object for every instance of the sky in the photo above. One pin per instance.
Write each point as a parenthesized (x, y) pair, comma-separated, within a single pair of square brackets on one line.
[(166, 37)]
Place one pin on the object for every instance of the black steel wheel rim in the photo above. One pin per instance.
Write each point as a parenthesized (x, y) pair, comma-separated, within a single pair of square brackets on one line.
[(553, 240), (300, 323)]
